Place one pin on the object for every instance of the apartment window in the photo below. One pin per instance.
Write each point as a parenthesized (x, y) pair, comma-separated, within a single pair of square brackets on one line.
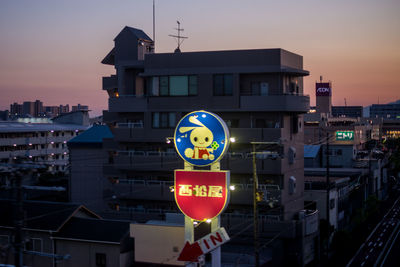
[(259, 88), (34, 244), (4, 240), (223, 85), (192, 85), (182, 85), (163, 83), (164, 120), (234, 123), (101, 260)]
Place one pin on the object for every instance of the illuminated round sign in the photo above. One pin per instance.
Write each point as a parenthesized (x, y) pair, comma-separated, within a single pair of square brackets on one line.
[(201, 138)]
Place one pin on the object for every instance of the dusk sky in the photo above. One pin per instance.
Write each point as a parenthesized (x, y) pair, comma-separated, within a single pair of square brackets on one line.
[(51, 50)]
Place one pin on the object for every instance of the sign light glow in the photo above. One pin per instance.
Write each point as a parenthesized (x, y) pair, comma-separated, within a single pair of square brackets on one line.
[(344, 135), (201, 195)]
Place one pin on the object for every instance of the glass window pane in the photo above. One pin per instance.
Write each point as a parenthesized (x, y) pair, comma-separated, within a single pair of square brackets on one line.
[(255, 88), (264, 88), (228, 84), (218, 85), (192, 85), (155, 87), (172, 120), (164, 85), (156, 120), (178, 85), (164, 120)]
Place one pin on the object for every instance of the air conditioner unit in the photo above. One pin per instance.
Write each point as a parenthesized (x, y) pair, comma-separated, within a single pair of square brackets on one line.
[(292, 185), (291, 155)]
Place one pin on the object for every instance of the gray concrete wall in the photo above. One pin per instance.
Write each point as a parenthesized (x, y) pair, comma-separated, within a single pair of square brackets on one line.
[(84, 253), (86, 181)]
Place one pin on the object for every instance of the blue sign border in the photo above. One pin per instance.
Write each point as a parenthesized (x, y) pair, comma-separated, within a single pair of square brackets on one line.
[(224, 140)]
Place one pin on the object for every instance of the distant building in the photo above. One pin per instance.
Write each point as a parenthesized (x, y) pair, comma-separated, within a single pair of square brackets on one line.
[(347, 111), (41, 143), (323, 93), (80, 107), (4, 115), (386, 111), (16, 109), (64, 109)]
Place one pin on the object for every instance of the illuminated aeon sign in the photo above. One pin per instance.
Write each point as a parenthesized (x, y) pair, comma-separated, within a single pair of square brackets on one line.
[(201, 138), (323, 89), (201, 194), (344, 135)]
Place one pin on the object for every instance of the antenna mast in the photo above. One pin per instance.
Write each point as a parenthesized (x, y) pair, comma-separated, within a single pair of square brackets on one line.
[(154, 26), (179, 39)]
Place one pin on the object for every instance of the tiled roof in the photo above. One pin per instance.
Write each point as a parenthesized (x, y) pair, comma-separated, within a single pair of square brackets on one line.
[(311, 151), (94, 134), (40, 215), (94, 230)]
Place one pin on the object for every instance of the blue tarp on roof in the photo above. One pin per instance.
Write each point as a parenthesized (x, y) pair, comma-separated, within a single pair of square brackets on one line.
[(311, 151), (95, 134)]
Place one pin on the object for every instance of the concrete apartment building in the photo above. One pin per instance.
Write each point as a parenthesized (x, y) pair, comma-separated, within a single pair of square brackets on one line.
[(259, 93), (386, 111), (41, 143)]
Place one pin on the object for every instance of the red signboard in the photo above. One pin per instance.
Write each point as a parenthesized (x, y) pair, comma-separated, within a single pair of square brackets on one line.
[(201, 195), (323, 89)]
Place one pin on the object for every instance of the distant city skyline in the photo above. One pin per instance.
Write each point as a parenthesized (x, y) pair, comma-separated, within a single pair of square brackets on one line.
[(51, 50)]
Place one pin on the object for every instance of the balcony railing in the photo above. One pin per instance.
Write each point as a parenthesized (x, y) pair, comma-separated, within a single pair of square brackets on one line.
[(290, 103)]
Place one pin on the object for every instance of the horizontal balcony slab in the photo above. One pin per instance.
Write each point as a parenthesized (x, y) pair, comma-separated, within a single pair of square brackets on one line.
[(283, 103), (142, 134), (110, 82)]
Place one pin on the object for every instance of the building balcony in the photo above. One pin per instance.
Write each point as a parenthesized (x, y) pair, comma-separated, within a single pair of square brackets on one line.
[(276, 103), (243, 194), (127, 104), (144, 190), (110, 82), (128, 134), (168, 161), (243, 163), (139, 160), (247, 135)]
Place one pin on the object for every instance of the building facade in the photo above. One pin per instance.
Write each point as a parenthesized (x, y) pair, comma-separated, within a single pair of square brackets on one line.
[(40, 143), (259, 94), (386, 111)]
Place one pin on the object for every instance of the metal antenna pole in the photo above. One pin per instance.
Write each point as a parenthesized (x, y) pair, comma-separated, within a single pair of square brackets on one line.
[(179, 38), (154, 26)]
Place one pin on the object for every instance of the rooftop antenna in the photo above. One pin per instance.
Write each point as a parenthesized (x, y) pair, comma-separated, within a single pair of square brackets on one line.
[(345, 102), (154, 26), (320, 79), (179, 39)]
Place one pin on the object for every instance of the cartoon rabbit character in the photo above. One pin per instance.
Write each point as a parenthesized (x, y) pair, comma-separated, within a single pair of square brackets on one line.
[(201, 137)]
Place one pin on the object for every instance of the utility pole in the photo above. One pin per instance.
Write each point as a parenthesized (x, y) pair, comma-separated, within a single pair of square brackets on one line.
[(328, 186), (257, 196), (18, 221), (327, 178), (255, 211)]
